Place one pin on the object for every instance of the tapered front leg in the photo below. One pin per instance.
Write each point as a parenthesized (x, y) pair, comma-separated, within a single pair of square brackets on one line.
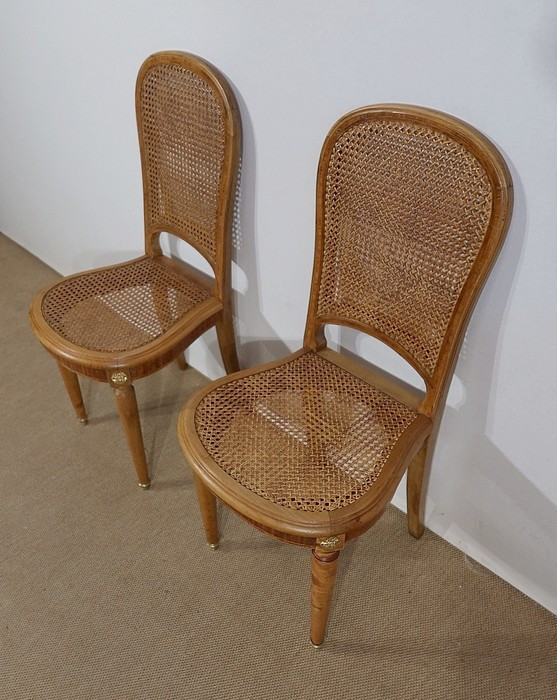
[(324, 560), (208, 508), (129, 415), (74, 390), (415, 492)]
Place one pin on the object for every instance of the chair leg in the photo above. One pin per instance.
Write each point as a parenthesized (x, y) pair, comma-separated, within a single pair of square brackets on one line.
[(208, 508), (72, 385), (129, 415), (181, 360), (227, 343), (323, 573), (415, 492)]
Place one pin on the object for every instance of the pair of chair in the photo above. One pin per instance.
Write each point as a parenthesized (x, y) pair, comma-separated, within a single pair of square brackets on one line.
[(412, 207)]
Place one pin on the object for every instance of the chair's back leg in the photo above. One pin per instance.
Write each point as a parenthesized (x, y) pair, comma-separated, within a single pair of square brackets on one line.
[(72, 385), (227, 342), (415, 492), (129, 415), (181, 360), (323, 574)]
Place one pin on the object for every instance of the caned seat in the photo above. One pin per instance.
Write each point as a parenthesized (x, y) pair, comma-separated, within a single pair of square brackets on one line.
[(412, 208), (119, 323), (120, 308), (320, 435)]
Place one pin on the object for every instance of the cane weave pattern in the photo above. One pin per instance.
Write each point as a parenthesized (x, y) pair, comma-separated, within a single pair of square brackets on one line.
[(307, 434), (183, 135), (120, 308), (405, 213)]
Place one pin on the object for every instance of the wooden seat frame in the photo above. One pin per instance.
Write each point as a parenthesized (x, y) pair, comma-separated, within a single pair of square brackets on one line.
[(326, 532), (121, 368)]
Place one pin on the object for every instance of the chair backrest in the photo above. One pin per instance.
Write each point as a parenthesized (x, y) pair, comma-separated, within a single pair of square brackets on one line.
[(190, 141), (412, 207)]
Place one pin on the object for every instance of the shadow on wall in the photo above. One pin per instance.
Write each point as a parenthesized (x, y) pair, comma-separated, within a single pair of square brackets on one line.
[(266, 345), (490, 503), (495, 503)]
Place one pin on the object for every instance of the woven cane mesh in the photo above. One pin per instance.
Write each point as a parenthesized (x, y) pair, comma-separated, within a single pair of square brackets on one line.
[(406, 210), (120, 308), (307, 434), (183, 133)]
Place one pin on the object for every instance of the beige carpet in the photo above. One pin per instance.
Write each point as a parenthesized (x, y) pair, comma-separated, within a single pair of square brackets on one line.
[(108, 591)]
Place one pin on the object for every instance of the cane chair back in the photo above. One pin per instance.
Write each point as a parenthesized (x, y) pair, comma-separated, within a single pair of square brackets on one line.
[(412, 207), (187, 154), (122, 322), (411, 210)]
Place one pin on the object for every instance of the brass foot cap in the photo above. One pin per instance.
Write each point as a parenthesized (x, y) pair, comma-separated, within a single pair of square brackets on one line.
[(145, 486), (213, 546), (316, 646), (83, 421)]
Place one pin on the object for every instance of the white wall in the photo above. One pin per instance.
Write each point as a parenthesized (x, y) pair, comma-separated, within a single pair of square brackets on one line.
[(71, 193)]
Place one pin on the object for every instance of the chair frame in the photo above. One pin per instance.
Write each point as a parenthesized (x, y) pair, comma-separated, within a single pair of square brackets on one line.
[(326, 533), (121, 369)]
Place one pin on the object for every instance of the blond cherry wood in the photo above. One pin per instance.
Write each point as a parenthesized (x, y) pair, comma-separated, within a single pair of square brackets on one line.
[(208, 507), (129, 415), (478, 162), (323, 573), (74, 391), (178, 87), (415, 484)]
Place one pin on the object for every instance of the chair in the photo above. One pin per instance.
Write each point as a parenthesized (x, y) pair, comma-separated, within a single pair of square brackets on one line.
[(119, 323), (412, 207)]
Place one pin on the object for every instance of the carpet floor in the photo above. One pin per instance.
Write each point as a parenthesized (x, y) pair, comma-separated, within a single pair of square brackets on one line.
[(110, 592)]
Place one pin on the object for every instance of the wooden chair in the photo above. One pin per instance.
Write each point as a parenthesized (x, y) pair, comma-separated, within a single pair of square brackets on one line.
[(412, 207), (119, 323)]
